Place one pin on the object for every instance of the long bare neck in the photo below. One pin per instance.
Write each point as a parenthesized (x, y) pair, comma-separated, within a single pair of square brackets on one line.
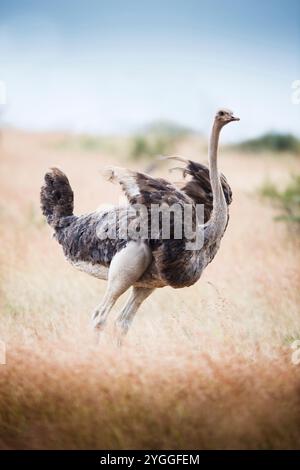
[(218, 218)]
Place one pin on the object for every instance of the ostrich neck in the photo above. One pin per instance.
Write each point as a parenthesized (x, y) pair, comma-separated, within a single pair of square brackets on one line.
[(218, 218)]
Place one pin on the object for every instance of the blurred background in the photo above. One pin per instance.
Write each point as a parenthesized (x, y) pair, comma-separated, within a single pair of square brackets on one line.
[(89, 83), (112, 67)]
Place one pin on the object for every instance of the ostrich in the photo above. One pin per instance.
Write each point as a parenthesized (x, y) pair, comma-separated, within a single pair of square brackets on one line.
[(143, 264)]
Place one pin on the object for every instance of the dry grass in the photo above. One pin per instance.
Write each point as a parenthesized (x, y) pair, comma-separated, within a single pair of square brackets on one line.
[(205, 367)]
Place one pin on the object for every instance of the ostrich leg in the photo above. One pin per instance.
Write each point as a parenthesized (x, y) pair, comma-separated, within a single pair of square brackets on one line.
[(137, 297), (126, 268)]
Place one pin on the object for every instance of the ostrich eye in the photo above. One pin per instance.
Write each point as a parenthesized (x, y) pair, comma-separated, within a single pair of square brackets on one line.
[(221, 113)]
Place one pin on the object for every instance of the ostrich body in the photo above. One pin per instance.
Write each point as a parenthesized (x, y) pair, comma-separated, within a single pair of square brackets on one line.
[(143, 264)]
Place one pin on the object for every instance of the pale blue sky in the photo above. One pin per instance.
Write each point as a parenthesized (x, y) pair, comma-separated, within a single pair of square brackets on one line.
[(112, 66)]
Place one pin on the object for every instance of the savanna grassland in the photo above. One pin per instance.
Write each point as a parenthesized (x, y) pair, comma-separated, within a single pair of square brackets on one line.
[(206, 367)]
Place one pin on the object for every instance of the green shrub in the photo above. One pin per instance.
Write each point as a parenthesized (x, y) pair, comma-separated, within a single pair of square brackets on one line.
[(158, 138), (272, 142), (151, 146), (286, 201), (90, 143), (169, 129), (139, 147), (87, 143)]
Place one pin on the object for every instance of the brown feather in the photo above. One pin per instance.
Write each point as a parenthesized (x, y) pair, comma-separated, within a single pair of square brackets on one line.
[(199, 187)]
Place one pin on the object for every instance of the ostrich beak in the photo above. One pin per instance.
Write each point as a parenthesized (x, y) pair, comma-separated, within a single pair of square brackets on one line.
[(234, 118)]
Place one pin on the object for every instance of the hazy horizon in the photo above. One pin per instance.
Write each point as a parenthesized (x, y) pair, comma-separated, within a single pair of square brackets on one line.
[(113, 67)]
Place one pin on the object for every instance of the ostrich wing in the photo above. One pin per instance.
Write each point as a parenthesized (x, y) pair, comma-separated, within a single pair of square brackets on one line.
[(140, 188), (198, 188), (172, 261)]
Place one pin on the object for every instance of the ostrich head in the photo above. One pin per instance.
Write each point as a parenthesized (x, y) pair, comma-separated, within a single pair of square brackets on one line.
[(224, 116)]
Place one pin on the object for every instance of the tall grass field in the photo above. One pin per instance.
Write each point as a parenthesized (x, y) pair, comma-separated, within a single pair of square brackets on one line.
[(206, 367)]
